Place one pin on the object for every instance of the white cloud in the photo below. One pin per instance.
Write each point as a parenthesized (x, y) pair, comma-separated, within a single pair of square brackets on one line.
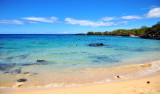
[(32, 22), (11, 22), (123, 22), (153, 13), (123, 17), (108, 18), (153, 6), (42, 19), (88, 22), (131, 17)]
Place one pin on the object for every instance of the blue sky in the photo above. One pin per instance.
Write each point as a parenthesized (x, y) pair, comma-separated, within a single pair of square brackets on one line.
[(75, 16)]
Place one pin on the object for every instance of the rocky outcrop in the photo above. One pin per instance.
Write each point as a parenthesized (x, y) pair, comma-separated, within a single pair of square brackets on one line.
[(151, 35)]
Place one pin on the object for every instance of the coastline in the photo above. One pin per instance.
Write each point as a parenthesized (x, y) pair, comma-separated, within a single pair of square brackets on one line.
[(138, 85), (143, 32), (145, 85)]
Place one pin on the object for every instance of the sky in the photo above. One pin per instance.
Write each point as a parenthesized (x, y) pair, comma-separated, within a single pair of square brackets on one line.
[(75, 16)]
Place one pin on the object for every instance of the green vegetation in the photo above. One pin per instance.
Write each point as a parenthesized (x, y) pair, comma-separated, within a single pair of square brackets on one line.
[(152, 33), (90, 33), (121, 32), (143, 32)]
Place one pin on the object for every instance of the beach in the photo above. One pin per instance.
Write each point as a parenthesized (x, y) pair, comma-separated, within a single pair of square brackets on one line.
[(146, 85), (79, 47)]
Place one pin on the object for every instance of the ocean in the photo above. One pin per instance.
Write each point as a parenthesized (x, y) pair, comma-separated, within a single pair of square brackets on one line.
[(59, 60)]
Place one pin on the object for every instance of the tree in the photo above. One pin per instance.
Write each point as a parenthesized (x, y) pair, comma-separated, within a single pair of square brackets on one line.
[(106, 33), (158, 22), (90, 33), (98, 33)]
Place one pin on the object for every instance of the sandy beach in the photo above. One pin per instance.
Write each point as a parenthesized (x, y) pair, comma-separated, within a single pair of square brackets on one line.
[(79, 47), (146, 85)]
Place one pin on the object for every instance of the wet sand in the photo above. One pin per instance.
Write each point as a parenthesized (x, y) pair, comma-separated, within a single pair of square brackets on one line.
[(132, 79), (146, 85), (86, 77)]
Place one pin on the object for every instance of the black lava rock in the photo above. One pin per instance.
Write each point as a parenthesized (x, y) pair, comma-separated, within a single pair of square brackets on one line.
[(148, 82), (40, 60), (118, 76), (22, 80), (25, 72), (96, 44)]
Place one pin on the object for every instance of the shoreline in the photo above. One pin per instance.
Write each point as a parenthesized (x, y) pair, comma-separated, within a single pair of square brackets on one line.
[(50, 90), (145, 85), (91, 76)]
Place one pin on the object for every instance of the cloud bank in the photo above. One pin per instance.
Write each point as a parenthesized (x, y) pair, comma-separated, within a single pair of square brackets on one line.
[(88, 22), (153, 13), (108, 18), (131, 17), (105, 21), (42, 19), (18, 22)]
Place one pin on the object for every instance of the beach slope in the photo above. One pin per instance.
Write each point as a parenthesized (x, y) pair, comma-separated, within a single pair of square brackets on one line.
[(147, 85)]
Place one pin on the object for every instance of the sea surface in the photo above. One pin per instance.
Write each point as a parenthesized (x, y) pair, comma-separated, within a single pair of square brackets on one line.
[(68, 60)]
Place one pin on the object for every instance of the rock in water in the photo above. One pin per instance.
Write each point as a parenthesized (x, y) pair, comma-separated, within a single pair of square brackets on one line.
[(17, 71), (6, 66), (101, 44), (22, 80), (40, 60), (96, 44)]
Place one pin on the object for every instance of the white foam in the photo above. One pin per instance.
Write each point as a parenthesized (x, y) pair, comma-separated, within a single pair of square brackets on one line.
[(54, 85), (17, 84)]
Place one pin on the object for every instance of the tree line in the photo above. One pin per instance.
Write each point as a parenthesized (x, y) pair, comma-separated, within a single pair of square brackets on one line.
[(143, 32)]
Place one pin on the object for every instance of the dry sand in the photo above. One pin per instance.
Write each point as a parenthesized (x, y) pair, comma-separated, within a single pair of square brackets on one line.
[(138, 86)]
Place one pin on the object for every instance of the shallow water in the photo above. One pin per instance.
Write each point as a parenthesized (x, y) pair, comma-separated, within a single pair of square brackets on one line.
[(68, 57)]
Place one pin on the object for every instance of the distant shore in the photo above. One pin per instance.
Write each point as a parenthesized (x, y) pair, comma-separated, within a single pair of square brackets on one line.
[(131, 35), (110, 35), (143, 32)]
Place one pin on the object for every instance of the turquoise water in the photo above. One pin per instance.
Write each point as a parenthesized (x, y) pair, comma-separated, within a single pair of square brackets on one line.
[(66, 55)]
